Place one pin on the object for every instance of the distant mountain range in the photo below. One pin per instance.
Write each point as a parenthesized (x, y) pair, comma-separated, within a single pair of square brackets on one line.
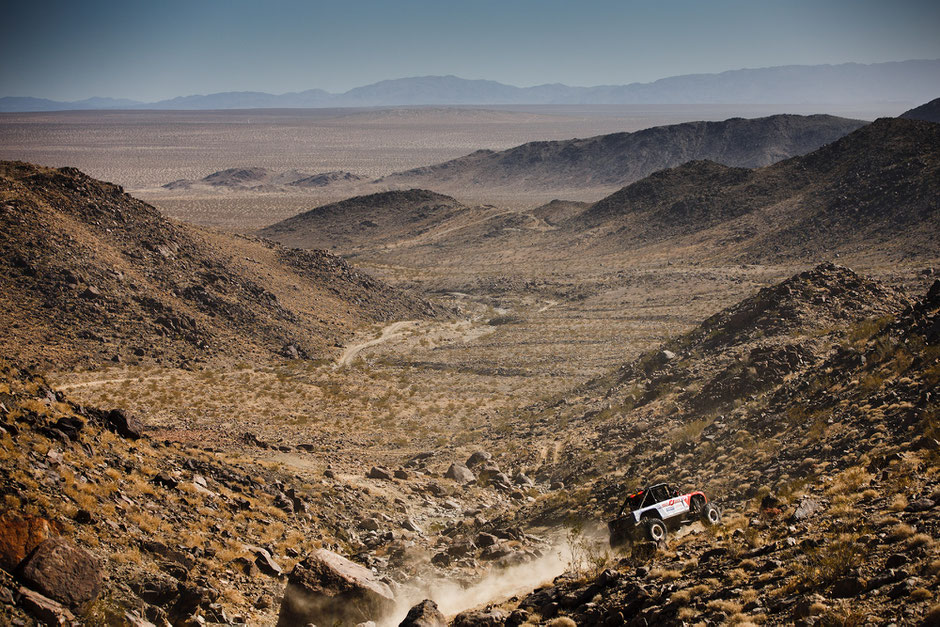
[(902, 81)]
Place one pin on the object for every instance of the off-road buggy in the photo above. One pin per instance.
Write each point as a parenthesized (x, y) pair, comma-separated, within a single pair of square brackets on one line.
[(649, 513)]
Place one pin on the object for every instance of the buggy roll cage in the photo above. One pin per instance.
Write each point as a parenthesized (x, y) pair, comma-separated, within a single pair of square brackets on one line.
[(648, 498)]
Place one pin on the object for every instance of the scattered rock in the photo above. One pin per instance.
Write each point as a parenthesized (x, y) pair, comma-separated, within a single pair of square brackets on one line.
[(848, 588), (806, 508), (370, 524), (266, 563), (410, 525), (123, 424), (19, 535), (486, 539), (920, 505), (479, 618), (46, 610), (478, 458)]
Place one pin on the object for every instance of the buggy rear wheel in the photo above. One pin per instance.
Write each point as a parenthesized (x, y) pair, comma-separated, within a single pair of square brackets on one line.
[(654, 529), (710, 515)]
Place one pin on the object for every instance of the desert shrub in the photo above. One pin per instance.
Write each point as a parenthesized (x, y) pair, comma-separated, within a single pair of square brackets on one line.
[(496, 321), (827, 564), (866, 329)]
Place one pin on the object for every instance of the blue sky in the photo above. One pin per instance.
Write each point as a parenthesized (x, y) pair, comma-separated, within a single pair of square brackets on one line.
[(149, 50)]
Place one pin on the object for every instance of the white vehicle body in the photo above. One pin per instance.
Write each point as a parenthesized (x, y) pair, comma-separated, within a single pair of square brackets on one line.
[(675, 506)]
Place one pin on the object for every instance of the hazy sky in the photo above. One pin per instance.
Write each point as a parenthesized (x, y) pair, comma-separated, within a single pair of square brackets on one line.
[(154, 49)]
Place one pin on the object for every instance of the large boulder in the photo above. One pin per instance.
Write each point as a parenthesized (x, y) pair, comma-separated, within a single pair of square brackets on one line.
[(460, 473), (63, 572), (424, 614), (19, 535), (327, 589)]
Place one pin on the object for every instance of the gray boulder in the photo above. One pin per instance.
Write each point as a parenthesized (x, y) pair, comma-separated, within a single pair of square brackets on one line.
[(460, 473)]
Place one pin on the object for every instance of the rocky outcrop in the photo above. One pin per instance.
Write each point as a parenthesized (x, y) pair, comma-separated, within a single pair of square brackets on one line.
[(327, 589)]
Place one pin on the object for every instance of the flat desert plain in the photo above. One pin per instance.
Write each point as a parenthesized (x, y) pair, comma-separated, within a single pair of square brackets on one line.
[(143, 150)]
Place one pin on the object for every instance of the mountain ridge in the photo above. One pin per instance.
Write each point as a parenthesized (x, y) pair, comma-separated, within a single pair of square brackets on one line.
[(622, 158), (897, 81)]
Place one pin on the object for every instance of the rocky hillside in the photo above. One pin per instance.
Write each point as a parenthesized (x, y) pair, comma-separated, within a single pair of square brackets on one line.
[(876, 188), (809, 413), (622, 158), (90, 274), (101, 524), (263, 180), (929, 112), (371, 221), (869, 197)]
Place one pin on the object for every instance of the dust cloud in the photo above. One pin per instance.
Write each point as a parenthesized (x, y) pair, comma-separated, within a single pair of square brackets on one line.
[(498, 585)]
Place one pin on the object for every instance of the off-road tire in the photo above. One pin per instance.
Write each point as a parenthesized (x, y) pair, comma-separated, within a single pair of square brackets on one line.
[(697, 505), (654, 530), (710, 515)]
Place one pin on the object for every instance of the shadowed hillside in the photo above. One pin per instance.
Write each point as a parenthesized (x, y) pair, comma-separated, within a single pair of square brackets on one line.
[(808, 413), (91, 274), (875, 188), (623, 158), (929, 112)]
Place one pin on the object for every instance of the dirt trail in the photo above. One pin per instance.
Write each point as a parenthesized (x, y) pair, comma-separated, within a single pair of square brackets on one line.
[(352, 351), (96, 382), (141, 379)]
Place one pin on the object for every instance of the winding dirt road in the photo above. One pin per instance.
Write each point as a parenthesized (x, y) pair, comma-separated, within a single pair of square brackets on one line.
[(352, 351)]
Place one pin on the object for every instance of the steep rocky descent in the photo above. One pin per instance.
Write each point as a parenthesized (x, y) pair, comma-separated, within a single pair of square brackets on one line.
[(876, 188), (263, 179), (929, 112), (622, 158), (179, 534), (371, 221), (841, 466), (176, 531), (90, 273), (809, 413), (665, 414)]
